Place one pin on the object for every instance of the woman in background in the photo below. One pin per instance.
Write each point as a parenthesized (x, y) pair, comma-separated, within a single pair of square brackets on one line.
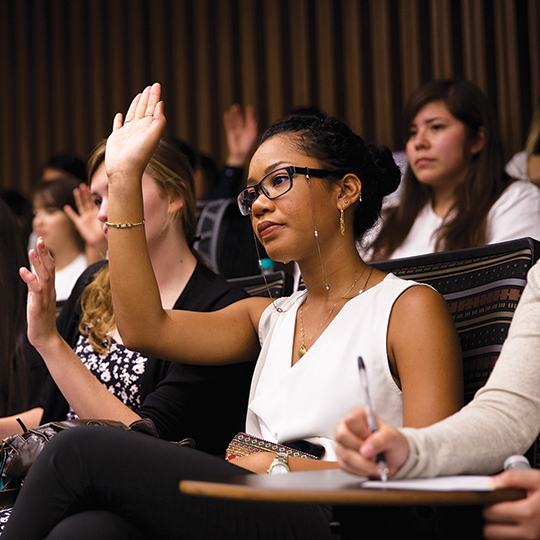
[(455, 194), (525, 165), (22, 372), (58, 231)]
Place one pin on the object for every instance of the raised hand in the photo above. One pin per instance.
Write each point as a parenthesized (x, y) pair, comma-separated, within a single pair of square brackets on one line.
[(41, 302), (87, 223), (357, 447), (134, 139), (241, 134)]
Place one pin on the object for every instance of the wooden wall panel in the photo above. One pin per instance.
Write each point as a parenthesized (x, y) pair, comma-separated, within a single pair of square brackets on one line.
[(67, 66), (508, 107), (353, 85), (474, 42), (299, 31), (410, 60), (534, 47), (21, 77), (381, 78), (442, 44)]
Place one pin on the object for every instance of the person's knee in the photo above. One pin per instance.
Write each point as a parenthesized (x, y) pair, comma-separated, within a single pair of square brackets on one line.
[(75, 448), (95, 524)]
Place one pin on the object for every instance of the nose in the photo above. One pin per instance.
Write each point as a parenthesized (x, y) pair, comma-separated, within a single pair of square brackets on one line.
[(36, 219), (103, 211), (260, 205), (420, 139)]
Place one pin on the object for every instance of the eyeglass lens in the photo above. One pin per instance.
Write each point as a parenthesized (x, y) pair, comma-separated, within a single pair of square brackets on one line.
[(274, 185)]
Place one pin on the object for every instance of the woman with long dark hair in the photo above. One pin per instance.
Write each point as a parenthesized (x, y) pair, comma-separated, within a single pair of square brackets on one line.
[(455, 191)]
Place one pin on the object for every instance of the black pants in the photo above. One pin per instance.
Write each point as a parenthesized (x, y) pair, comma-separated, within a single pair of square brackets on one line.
[(103, 483)]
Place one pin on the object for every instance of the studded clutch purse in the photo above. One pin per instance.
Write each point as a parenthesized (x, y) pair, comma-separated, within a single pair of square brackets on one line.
[(244, 445)]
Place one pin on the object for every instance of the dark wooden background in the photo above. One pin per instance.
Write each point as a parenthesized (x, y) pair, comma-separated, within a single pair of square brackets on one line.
[(66, 66)]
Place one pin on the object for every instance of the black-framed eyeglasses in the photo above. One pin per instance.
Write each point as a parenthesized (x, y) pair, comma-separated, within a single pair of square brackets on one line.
[(276, 184)]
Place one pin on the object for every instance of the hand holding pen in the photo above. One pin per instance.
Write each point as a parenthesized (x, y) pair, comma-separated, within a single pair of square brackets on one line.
[(372, 421)]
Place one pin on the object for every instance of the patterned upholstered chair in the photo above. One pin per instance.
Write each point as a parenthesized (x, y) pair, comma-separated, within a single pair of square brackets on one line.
[(482, 287)]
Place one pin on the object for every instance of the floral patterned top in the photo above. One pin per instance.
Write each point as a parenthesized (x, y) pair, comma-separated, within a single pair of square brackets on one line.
[(119, 370)]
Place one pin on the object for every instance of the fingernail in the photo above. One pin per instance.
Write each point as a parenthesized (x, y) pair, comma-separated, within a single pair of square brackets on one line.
[(494, 481), (367, 449)]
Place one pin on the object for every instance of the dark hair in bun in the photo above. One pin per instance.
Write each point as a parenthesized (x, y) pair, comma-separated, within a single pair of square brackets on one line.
[(334, 144)]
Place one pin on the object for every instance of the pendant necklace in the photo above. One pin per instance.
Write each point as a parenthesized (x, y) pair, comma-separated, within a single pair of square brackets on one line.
[(303, 349)]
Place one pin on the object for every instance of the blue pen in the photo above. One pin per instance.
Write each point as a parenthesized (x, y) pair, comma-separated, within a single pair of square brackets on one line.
[(372, 423)]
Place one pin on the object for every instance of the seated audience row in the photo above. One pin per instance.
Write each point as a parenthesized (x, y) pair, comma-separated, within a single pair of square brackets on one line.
[(344, 182), (306, 376)]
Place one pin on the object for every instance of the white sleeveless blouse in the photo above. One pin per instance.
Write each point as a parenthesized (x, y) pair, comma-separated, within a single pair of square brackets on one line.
[(307, 400)]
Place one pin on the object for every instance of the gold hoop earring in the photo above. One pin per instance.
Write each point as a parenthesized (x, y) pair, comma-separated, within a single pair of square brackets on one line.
[(341, 223)]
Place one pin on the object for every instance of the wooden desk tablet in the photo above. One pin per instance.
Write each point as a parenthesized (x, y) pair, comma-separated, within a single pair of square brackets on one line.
[(334, 487)]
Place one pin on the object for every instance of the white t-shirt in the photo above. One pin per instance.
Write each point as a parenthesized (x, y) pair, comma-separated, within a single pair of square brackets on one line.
[(517, 167), (515, 214), (307, 400), (67, 277)]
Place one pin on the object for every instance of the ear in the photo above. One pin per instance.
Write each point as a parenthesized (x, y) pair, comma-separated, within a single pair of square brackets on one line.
[(176, 203), (478, 144), (349, 191)]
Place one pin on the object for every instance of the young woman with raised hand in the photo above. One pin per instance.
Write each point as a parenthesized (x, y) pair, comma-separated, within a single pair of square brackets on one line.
[(93, 375), (455, 191), (313, 187), (94, 372)]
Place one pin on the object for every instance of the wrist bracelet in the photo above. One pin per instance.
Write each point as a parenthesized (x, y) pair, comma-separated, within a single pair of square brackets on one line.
[(125, 225)]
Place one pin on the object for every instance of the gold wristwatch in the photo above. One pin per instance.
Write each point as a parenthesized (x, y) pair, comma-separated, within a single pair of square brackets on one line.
[(280, 464)]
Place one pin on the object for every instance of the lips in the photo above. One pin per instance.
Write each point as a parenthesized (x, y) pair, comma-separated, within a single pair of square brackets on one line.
[(266, 228), (423, 161)]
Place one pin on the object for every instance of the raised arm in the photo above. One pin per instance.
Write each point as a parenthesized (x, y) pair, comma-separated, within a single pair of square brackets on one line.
[(225, 336), (87, 396)]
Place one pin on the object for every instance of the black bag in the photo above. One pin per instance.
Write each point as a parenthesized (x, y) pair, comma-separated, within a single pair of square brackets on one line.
[(18, 452)]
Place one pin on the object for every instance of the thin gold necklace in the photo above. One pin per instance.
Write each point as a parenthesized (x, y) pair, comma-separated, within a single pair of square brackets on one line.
[(303, 349)]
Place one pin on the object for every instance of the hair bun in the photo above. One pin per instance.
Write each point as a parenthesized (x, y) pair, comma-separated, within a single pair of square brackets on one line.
[(385, 169)]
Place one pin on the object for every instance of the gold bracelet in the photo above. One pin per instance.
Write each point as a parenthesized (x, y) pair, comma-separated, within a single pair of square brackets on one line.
[(125, 225)]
